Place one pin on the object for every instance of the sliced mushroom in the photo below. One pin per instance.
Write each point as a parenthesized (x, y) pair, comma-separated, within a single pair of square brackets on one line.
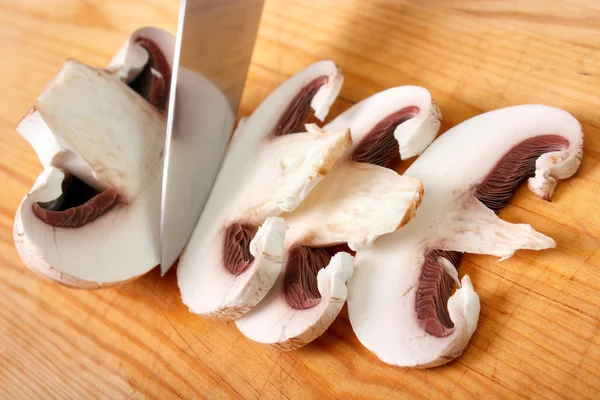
[(235, 253), (397, 123), (354, 204), (91, 219), (399, 299)]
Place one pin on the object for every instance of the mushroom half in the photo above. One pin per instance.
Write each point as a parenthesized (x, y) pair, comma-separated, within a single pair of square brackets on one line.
[(359, 200), (92, 217), (399, 301)]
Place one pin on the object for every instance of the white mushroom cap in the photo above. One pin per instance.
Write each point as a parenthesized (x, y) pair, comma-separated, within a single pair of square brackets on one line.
[(207, 287), (384, 290), (359, 203)]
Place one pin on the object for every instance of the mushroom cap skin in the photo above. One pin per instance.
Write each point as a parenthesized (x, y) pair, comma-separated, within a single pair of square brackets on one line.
[(354, 204), (268, 169), (107, 136), (394, 309)]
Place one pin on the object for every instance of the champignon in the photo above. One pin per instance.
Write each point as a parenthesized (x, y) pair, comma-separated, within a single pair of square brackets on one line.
[(92, 217), (235, 252), (359, 200), (399, 298)]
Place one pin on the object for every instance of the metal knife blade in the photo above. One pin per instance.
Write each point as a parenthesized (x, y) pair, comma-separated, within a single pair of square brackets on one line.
[(214, 44)]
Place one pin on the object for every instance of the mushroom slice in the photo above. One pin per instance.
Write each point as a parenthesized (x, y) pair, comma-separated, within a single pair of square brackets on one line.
[(91, 219), (399, 300), (235, 252), (354, 204), (392, 125)]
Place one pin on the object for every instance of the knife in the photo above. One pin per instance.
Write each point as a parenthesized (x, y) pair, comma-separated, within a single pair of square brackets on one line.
[(214, 44)]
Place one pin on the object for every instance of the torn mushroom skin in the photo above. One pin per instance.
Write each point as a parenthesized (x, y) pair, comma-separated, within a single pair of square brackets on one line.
[(90, 219), (359, 200), (399, 300), (235, 253)]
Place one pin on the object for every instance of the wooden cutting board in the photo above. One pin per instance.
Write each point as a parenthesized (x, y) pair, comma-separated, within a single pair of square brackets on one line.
[(538, 333)]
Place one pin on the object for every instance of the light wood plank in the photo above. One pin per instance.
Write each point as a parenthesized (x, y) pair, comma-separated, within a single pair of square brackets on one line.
[(538, 335)]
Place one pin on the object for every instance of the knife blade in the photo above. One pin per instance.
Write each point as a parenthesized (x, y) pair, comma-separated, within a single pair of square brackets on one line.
[(214, 44)]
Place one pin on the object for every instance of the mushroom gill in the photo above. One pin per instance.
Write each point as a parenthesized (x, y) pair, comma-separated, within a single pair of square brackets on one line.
[(379, 146), (78, 205), (236, 247), (301, 268), (435, 285), (293, 118)]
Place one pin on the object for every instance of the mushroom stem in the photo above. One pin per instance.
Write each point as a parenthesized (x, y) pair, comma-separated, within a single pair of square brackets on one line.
[(407, 114), (471, 227), (86, 110)]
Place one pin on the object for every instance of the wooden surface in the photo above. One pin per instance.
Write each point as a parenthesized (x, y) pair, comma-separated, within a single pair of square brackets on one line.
[(538, 333)]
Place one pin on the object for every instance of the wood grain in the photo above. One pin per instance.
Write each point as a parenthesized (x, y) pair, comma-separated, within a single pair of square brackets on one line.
[(538, 334)]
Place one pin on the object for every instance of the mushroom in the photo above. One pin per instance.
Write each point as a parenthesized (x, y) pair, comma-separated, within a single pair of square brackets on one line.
[(92, 217), (235, 252), (359, 200), (399, 298)]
